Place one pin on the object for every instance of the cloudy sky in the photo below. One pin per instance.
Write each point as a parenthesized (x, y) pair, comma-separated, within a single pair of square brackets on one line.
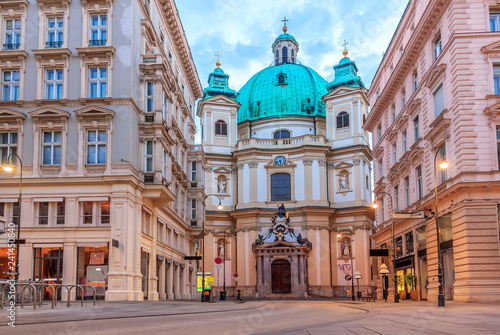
[(244, 30)]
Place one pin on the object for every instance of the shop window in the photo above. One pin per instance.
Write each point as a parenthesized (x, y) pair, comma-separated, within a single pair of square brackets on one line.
[(93, 270), (399, 246), (409, 243), (48, 265), (445, 228), (421, 238)]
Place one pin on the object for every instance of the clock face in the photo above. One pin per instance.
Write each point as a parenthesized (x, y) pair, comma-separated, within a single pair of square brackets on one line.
[(280, 160)]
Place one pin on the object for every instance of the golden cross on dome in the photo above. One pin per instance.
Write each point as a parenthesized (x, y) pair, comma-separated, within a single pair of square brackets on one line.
[(218, 60), (284, 27), (345, 48)]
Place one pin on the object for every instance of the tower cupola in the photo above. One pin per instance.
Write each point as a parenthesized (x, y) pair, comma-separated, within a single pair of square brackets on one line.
[(285, 47)]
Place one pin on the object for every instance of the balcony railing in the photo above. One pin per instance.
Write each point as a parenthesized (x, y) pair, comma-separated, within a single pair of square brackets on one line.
[(11, 46), (94, 43), (53, 44), (282, 142)]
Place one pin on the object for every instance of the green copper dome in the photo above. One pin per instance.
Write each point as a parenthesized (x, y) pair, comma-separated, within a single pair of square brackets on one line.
[(282, 90), (285, 36)]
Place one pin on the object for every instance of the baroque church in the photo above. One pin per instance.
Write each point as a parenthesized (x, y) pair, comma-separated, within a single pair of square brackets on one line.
[(290, 162)]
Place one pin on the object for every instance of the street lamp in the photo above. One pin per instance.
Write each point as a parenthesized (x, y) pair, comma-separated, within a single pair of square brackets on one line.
[(443, 164), (351, 252), (358, 276), (219, 207), (375, 206), (9, 168), (223, 295), (384, 271)]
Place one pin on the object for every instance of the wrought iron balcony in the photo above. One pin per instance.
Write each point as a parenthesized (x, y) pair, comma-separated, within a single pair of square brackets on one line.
[(11, 46), (53, 44), (97, 42)]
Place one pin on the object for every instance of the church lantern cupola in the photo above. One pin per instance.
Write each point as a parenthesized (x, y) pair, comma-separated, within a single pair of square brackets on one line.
[(285, 48)]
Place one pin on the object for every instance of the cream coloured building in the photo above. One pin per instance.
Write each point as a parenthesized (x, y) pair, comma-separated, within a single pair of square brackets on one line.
[(436, 94), (287, 137), (98, 101)]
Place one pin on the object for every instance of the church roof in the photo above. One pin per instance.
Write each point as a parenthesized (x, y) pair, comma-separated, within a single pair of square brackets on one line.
[(218, 85), (346, 74), (282, 90), (285, 36)]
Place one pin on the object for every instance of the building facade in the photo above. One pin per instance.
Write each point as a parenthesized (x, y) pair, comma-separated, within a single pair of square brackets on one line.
[(99, 109), (434, 96), (289, 160)]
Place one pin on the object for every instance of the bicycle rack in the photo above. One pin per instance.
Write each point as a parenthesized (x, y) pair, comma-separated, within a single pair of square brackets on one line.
[(60, 286), (3, 287), (69, 293), (25, 286), (41, 290), (93, 289)]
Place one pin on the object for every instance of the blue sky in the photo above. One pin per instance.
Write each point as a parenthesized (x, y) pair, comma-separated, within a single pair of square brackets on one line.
[(244, 30)]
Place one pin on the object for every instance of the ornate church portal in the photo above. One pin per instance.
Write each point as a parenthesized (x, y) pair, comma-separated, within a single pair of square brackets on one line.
[(281, 255)]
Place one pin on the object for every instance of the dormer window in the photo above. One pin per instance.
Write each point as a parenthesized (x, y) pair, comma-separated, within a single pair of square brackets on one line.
[(281, 79)]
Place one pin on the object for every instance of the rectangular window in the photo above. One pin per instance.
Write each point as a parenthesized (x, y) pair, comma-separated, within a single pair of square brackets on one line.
[(60, 212), (496, 79), (98, 82), (380, 168), (148, 156), (379, 132), (8, 145), (51, 148), (405, 142), (193, 209), (55, 32), (43, 213), (281, 187), (96, 147), (399, 246), (165, 164), (10, 85), (498, 146), (12, 36), (393, 113), (396, 198), (96, 212), (164, 106), (419, 183), (407, 189), (437, 47), (494, 21), (438, 100), (193, 171), (403, 97), (98, 30), (409, 243), (149, 97), (416, 127), (88, 212), (105, 212), (415, 81), (53, 84), (394, 153), (382, 209)]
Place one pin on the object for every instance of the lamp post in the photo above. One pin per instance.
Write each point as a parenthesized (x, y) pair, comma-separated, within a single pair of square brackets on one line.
[(384, 271), (357, 276), (443, 164), (351, 254), (223, 295), (375, 206), (219, 207), (9, 168)]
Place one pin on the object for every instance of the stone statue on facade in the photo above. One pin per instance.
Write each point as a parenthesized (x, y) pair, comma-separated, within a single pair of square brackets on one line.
[(222, 185), (344, 183)]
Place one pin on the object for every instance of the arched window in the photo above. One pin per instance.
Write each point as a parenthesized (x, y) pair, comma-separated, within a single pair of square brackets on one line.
[(281, 188), (282, 134), (281, 79), (342, 120), (293, 56), (220, 127), (284, 54), (277, 56)]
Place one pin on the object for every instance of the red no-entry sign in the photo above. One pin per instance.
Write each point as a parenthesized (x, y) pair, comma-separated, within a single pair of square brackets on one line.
[(218, 260)]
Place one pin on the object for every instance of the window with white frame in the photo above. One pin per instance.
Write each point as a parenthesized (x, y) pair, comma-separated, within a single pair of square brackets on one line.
[(193, 209), (8, 145), (12, 34), (95, 212), (164, 106), (98, 30), (382, 209), (407, 189), (165, 164), (498, 146), (381, 168), (148, 156), (438, 96), (149, 97), (96, 147), (193, 171), (51, 148), (403, 97), (415, 81), (379, 132), (419, 183), (53, 84), (10, 85), (98, 82), (437, 47), (394, 153), (494, 21), (393, 112), (496, 78), (416, 127), (405, 141), (50, 213), (396, 198), (146, 222), (55, 32)]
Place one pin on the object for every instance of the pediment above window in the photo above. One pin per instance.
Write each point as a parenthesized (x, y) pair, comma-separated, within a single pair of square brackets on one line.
[(94, 112), (413, 106), (493, 111), (440, 127), (49, 113), (493, 48), (434, 76), (17, 4), (96, 2), (343, 165), (53, 3), (9, 114), (222, 170)]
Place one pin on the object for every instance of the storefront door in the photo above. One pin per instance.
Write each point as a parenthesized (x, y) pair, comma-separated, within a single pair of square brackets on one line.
[(145, 273), (48, 265)]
